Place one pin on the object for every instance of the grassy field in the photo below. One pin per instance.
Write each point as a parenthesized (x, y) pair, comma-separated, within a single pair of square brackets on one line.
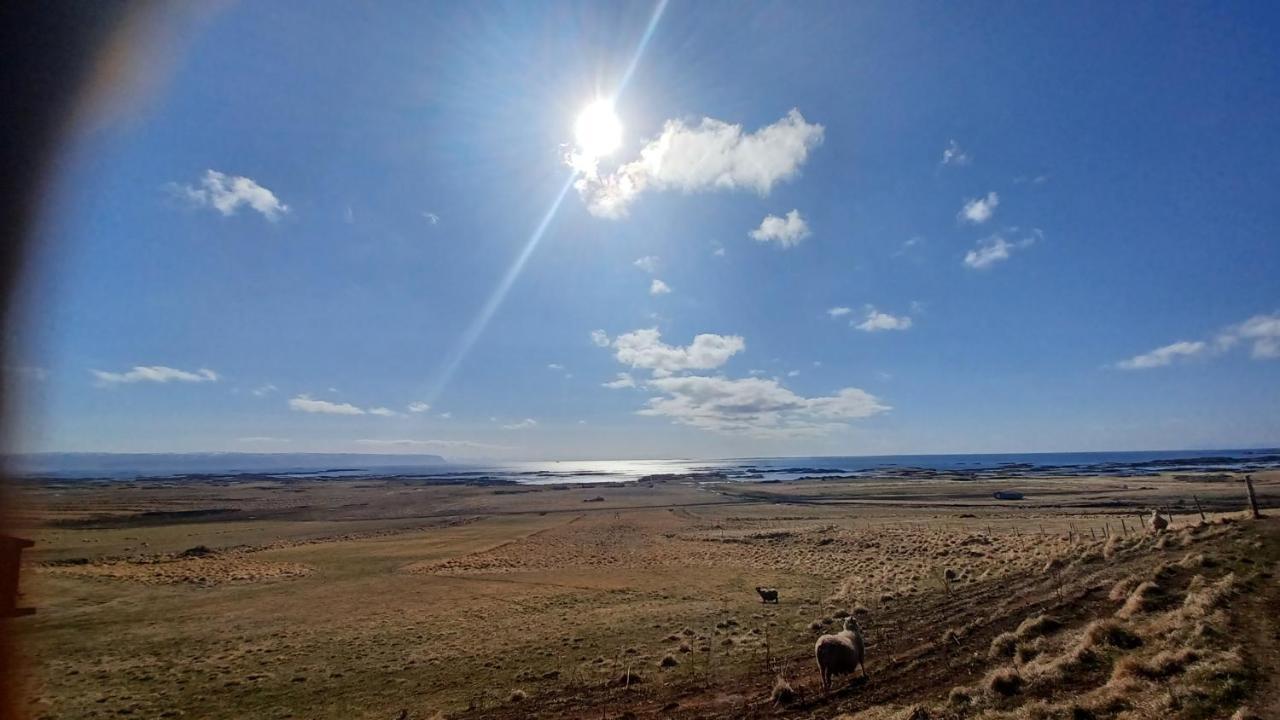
[(221, 598)]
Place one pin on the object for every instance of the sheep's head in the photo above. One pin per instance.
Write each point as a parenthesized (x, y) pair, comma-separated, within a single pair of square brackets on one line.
[(852, 625)]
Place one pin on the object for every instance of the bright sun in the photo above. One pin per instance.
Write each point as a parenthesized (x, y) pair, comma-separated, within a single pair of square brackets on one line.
[(598, 130)]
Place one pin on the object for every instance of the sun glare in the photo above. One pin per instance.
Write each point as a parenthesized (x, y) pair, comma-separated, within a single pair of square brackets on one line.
[(598, 130)]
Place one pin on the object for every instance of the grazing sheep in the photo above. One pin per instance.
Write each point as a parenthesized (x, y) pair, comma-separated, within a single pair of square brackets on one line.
[(768, 594), (1158, 523), (840, 654)]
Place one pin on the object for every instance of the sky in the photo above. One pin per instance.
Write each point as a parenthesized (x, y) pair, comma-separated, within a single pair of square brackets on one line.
[(785, 229)]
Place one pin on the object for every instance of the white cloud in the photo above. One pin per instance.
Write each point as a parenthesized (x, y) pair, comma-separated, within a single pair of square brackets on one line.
[(794, 373), (418, 407), (787, 232), (657, 287), (1163, 356), (712, 155), (264, 390), (996, 248), (1261, 330), (623, 380), (876, 321), (305, 403), (525, 423), (446, 415), (382, 411), (980, 210), (555, 367), (154, 373), (227, 193), (432, 218), (836, 312), (645, 349), (599, 338), (648, 263), (954, 155), (755, 406), (718, 252)]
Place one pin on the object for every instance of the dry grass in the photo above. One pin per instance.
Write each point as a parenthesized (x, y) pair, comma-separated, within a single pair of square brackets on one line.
[(352, 599)]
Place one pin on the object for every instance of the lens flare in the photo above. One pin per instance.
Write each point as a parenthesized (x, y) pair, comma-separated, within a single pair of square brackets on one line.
[(598, 130)]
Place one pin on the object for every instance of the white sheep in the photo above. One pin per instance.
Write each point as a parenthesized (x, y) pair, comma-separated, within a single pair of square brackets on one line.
[(840, 654), (1158, 523)]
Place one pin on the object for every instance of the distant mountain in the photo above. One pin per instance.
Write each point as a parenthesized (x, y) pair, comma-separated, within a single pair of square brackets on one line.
[(140, 464)]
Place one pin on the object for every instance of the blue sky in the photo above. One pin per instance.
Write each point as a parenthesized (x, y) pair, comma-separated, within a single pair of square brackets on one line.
[(880, 228)]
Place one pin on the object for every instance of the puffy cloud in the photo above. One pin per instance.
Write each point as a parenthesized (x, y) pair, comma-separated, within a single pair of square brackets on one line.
[(648, 263), (525, 423), (997, 248), (980, 210), (712, 155), (1163, 356), (1263, 331), (418, 407), (307, 404), (432, 218), (154, 373), (839, 311), (657, 287), (954, 155), (645, 349), (556, 367), (599, 338), (786, 232), (383, 411), (876, 321), (623, 380), (755, 406), (227, 193)]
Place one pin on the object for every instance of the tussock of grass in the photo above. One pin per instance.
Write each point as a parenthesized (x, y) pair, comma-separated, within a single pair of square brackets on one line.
[(1003, 645), (1038, 626), (1113, 634), (1004, 681), (1144, 598), (960, 696), (1163, 664)]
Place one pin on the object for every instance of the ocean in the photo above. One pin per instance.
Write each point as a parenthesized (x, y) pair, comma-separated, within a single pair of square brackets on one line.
[(1134, 463)]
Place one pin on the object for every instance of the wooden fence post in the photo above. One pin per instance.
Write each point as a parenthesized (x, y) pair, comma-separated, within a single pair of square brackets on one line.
[(1200, 509), (1253, 498)]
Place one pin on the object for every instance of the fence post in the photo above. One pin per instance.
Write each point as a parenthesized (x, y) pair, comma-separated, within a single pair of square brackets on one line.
[(1253, 498), (1199, 509)]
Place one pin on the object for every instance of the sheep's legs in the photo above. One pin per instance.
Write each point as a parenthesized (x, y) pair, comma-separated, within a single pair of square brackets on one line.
[(864, 670)]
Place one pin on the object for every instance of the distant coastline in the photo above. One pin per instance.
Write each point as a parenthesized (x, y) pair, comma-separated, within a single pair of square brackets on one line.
[(336, 465)]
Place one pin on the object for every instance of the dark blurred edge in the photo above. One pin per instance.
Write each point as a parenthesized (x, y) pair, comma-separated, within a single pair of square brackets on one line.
[(47, 49)]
